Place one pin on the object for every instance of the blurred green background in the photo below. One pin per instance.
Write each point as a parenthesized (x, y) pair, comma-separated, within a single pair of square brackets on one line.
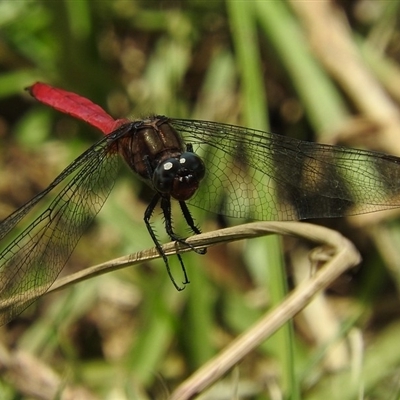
[(327, 73)]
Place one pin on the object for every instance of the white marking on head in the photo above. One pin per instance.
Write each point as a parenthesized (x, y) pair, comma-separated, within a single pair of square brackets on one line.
[(167, 166), (182, 160)]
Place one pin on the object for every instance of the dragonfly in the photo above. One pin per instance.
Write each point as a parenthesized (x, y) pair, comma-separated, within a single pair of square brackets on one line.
[(225, 169)]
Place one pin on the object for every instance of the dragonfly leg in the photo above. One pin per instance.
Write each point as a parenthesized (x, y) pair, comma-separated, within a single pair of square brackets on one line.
[(190, 221), (147, 215), (189, 147), (166, 207)]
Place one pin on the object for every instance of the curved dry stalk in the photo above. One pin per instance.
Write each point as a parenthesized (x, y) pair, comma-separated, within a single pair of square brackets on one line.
[(245, 231), (307, 231), (344, 257)]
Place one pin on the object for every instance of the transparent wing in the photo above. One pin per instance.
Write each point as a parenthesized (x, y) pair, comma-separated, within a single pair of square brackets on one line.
[(264, 176), (30, 263)]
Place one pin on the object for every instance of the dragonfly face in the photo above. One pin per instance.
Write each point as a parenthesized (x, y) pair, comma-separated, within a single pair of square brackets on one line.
[(179, 176)]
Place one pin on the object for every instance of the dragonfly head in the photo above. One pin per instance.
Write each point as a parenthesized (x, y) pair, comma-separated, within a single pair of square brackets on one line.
[(179, 177)]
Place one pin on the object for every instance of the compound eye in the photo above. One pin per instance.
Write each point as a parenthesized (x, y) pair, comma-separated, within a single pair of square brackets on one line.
[(193, 163), (164, 175)]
